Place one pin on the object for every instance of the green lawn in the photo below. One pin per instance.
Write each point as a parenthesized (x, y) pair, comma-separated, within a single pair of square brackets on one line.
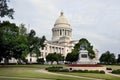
[(30, 71), (95, 75), (112, 66), (11, 79)]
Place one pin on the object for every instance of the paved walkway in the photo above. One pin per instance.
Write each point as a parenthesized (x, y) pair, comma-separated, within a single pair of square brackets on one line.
[(45, 71)]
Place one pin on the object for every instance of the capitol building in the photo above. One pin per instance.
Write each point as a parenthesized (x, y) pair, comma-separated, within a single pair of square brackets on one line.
[(61, 42), (61, 38)]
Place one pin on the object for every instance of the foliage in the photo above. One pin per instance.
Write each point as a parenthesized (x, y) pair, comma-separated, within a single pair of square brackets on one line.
[(16, 43), (40, 60), (86, 44), (8, 34), (72, 57), (118, 60), (21, 47), (35, 43), (89, 71), (61, 69), (5, 10), (57, 69), (116, 71), (54, 57), (107, 58), (108, 68)]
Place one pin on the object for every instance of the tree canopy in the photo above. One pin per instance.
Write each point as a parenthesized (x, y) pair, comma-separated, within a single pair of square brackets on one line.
[(54, 57), (16, 43), (5, 10), (8, 34), (107, 58), (118, 60)]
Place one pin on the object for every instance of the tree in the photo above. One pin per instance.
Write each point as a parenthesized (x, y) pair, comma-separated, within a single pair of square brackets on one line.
[(118, 60), (21, 48), (40, 60), (54, 57), (35, 43), (72, 57), (5, 10), (22, 30), (16, 43), (107, 58), (42, 42), (8, 33)]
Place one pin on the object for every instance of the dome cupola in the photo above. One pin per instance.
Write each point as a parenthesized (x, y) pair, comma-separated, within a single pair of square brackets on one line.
[(61, 29), (61, 21)]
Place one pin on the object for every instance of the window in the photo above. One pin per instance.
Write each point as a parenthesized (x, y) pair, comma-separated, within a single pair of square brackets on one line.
[(60, 32)]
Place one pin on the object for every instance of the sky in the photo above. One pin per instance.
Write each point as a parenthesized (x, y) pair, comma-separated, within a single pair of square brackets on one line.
[(96, 20)]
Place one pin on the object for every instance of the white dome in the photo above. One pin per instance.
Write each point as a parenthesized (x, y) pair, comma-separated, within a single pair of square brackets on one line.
[(62, 21)]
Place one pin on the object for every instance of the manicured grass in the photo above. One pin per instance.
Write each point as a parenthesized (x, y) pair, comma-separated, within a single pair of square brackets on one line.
[(114, 67), (11, 79), (29, 66), (95, 75), (31, 73)]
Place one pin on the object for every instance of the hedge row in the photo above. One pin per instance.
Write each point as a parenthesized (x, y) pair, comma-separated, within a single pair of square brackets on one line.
[(89, 71), (60, 69), (116, 71)]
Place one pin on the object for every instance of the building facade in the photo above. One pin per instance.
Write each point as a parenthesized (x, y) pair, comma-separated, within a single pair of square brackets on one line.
[(61, 42)]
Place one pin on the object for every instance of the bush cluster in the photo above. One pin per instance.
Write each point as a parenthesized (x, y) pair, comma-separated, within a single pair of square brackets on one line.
[(57, 69), (108, 68), (116, 71)]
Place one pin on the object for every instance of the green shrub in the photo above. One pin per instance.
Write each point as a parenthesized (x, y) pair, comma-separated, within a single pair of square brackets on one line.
[(57, 69), (60, 69), (116, 71), (40, 60), (102, 72), (108, 68), (86, 71)]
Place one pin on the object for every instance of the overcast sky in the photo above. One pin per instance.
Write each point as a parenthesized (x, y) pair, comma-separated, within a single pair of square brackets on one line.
[(96, 20)]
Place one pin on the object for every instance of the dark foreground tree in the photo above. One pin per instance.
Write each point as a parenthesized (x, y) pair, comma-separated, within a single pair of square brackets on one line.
[(118, 60), (5, 10), (8, 34), (107, 58), (16, 43)]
